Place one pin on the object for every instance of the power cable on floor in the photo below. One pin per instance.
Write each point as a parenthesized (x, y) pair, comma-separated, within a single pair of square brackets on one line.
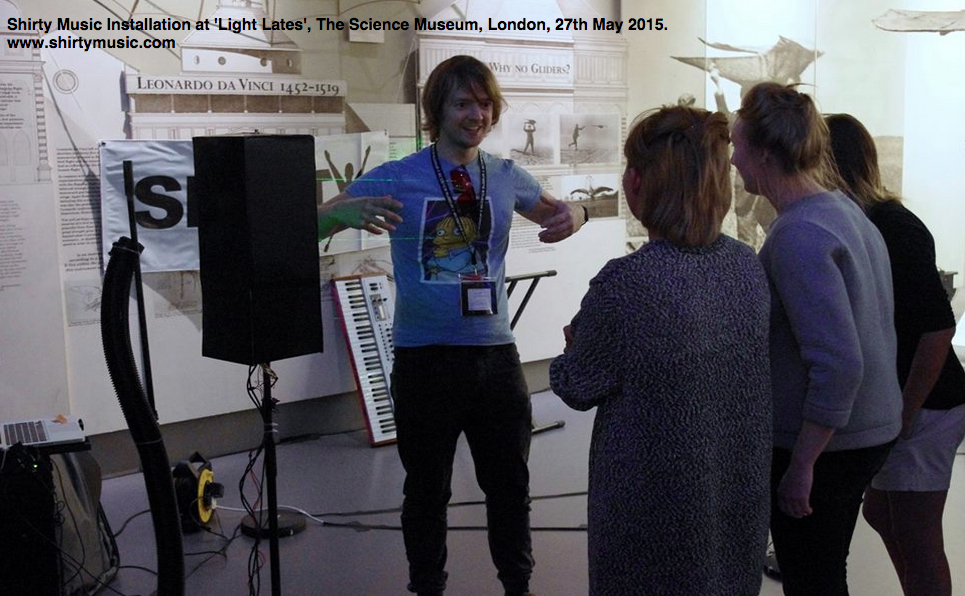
[(451, 505), (360, 527)]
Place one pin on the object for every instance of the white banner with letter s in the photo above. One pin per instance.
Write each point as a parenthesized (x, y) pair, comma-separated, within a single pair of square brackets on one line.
[(166, 212), (166, 216)]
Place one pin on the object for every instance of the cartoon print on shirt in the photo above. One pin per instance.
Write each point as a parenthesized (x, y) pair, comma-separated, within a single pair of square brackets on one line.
[(445, 252)]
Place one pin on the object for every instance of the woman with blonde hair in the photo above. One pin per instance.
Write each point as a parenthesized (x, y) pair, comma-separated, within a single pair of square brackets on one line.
[(906, 499), (670, 347), (837, 404)]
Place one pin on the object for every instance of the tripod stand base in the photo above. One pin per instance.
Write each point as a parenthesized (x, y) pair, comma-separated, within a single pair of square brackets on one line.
[(771, 568), (289, 524), (538, 428)]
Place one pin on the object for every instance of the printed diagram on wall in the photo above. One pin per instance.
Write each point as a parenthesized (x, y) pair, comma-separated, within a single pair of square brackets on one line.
[(24, 156), (82, 301), (599, 193), (589, 138), (530, 139), (179, 293), (340, 159)]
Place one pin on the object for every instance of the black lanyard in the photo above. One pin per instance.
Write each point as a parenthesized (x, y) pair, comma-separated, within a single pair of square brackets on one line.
[(481, 198)]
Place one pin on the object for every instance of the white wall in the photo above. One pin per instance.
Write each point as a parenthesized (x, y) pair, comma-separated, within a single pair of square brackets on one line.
[(934, 183)]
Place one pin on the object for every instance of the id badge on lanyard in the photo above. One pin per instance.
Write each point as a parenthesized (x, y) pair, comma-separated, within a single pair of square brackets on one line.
[(477, 295)]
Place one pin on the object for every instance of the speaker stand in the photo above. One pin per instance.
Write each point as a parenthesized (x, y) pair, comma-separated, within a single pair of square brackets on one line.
[(128, 167), (279, 525), (771, 568), (289, 524)]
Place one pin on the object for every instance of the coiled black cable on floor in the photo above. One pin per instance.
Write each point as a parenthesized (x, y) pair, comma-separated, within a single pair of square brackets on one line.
[(116, 337)]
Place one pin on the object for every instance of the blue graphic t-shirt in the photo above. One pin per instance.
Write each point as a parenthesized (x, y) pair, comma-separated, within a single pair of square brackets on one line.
[(429, 249)]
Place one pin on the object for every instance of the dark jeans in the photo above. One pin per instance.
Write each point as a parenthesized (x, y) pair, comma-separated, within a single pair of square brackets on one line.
[(441, 392), (812, 551)]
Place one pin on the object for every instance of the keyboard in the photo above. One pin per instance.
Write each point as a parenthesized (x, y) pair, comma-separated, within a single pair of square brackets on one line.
[(366, 311), (24, 432)]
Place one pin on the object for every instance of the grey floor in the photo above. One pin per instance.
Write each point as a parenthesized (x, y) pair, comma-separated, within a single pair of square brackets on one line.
[(342, 474)]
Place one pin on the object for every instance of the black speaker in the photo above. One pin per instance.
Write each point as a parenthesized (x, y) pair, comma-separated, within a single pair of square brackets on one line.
[(258, 235)]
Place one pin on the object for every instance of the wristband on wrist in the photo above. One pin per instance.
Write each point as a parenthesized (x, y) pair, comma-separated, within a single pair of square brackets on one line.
[(586, 214)]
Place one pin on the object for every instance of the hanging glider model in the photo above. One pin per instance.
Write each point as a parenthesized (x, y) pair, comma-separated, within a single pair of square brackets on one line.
[(782, 63), (922, 21)]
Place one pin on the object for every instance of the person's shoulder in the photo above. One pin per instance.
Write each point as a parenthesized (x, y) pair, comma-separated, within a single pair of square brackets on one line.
[(739, 253), (496, 163), (741, 259), (614, 270), (389, 170), (893, 213), (823, 211), (731, 244), (501, 168), (800, 235), (792, 224), (422, 156), (904, 233), (652, 260)]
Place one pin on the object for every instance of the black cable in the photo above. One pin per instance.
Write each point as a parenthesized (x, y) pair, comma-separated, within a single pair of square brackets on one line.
[(27, 459), (129, 520), (64, 553), (121, 365), (254, 560), (139, 568), (81, 566), (80, 538), (222, 551), (451, 505), (205, 552), (252, 388), (256, 386), (104, 527), (94, 578), (359, 527), (193, 514), (218, 534), (3, 465), (254, 569)]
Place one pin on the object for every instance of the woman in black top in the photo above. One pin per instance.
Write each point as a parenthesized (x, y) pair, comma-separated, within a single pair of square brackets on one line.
[(907, 498)]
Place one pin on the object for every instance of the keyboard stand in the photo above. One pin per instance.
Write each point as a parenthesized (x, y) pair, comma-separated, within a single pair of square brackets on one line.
[(533, 278)]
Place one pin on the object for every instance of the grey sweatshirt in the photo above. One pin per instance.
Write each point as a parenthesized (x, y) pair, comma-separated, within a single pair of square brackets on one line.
[(832, 324)]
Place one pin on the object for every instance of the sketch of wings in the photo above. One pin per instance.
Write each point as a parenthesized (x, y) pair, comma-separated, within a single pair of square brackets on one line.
[(592, 193), (783, 62), (939, 22)]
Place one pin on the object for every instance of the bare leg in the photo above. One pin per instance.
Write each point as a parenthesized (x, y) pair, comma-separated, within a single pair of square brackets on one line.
[(877, 512), (914, 538)]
